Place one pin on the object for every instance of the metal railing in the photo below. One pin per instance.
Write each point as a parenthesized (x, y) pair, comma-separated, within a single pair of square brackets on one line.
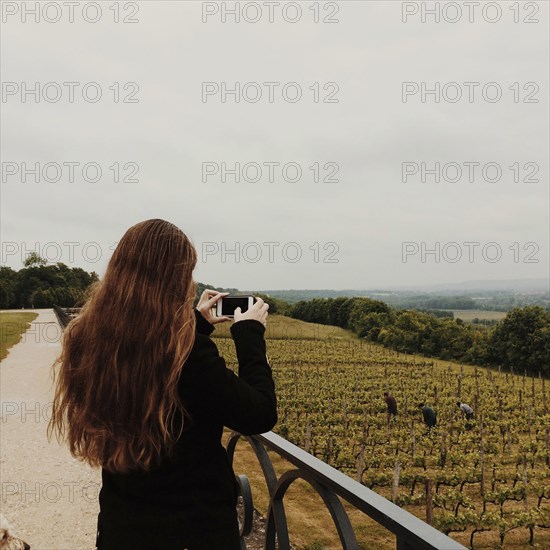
[(65, 314), (410, 532)]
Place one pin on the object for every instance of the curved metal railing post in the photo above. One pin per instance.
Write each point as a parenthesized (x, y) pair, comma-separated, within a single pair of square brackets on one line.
[(332, 485), (271, 481), (332, 502)]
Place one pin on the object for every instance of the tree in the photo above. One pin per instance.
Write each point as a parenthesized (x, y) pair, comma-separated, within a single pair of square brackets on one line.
[(268, 300), (522, 340), (366, 314), (39, 285), (369, 326), (34, 259), (8, 282)]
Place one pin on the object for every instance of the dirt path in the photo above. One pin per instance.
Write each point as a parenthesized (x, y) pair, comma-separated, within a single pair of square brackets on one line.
[(49, 497)]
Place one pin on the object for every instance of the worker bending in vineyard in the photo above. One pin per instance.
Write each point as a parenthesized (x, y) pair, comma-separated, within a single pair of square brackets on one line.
[(392, 406), (466, 409), (429, 415)]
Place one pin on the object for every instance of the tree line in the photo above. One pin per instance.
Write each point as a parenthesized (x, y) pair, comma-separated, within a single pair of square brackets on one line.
[(40, 285), (521, 341)]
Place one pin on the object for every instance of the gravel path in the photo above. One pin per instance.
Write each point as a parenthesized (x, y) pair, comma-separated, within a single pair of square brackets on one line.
[(49, 498)]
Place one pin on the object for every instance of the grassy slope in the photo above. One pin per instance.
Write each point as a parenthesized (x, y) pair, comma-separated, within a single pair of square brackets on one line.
[(279, 326)]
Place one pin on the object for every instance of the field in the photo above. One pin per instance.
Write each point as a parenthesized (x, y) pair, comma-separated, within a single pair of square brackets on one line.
[(468, 315), (490, 477), (12, 326)]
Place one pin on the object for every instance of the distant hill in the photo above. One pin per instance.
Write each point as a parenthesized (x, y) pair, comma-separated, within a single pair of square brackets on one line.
[(490, 285), (494, 295), (498, 295), (517, 285)]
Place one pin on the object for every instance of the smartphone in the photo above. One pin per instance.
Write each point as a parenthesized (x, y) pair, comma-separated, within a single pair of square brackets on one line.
[(226, 306)]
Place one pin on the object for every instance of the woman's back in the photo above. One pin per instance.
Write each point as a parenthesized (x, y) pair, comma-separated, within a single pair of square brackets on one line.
[(195, 491)]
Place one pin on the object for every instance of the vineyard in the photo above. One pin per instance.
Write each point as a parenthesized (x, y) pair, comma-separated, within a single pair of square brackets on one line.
[(485, 482)]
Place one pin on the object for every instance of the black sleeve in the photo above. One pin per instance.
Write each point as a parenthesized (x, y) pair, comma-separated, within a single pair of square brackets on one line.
[(203, 326), (244, 403)]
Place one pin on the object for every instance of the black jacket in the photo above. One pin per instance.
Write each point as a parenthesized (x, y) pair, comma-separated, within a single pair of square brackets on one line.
[(189, 501)]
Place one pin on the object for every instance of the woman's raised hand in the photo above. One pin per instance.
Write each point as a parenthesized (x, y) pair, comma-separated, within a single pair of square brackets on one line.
[(258, 312), (207, 301)]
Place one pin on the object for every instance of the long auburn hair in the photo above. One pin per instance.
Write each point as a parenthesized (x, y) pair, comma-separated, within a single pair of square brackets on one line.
[(116, 397)]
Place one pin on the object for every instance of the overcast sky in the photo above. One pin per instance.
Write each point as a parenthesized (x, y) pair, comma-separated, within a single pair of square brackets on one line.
[(360, 225)]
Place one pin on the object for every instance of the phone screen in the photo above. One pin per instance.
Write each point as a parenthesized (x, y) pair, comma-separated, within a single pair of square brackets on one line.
[(230, 303)]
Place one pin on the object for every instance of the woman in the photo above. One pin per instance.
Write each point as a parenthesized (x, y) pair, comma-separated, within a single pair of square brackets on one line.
[(142, 392)]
